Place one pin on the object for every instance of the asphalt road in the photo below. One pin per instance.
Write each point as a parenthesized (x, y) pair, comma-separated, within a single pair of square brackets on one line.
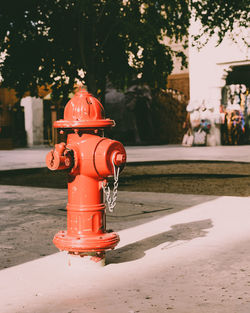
[(184, 177)]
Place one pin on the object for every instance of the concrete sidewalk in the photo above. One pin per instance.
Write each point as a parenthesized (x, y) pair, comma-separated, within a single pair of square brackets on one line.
[(35, 157), (28, 223), (178, 253), (195, 260)]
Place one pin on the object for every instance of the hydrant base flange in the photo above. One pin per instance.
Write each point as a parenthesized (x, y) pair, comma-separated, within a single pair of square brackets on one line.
[(98, 243)]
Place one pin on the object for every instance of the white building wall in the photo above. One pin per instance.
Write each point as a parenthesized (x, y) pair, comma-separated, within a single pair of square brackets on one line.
[(208, 70), (208, 67), (33, 116), (177, 46)]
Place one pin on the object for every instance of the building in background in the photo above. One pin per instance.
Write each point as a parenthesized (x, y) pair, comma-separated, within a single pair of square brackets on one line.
[(21, 120), (216, 82), (219, 78), (179, 78), (33, 120)]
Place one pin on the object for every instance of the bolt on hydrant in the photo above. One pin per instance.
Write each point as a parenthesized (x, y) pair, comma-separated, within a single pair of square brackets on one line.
[(90, 159)]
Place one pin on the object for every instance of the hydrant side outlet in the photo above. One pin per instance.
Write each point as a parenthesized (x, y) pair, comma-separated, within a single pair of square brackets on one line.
[(89, 159)]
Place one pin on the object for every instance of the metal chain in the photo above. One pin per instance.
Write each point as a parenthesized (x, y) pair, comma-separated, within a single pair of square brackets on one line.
[(111, 199)]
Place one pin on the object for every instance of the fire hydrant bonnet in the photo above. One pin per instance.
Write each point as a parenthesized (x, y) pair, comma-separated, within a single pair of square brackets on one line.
[(84, 111)]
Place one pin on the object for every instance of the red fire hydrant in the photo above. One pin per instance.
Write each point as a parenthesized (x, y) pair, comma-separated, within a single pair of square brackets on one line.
[(89, 159)]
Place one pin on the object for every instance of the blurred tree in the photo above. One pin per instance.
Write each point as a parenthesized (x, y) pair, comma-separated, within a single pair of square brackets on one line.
[(219, 18), (57, 41)]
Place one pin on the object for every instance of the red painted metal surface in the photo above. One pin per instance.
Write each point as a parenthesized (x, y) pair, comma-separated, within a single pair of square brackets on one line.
[(89, 160), (84, 111)]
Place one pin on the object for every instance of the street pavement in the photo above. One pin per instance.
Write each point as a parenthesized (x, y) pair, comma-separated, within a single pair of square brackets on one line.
[(35, 157), (194, 260), (178, 253)]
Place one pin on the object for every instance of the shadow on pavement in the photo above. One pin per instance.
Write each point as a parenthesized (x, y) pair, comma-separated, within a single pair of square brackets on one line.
[(136, 250)]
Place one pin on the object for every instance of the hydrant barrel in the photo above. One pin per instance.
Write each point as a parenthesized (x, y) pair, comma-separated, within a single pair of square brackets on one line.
[(90, 160)]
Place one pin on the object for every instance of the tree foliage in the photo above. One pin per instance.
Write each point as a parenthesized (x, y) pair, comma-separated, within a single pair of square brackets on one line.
[(55, 41), (219, 18)]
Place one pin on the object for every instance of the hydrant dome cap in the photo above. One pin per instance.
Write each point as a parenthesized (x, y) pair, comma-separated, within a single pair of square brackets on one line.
[(84, 111)]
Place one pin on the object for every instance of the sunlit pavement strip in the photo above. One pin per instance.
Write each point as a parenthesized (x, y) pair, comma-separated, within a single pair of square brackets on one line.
[(35, 157), (148, 270)]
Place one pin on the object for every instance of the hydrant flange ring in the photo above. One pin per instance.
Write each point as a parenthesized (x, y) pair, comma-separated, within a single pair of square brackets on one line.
[(84, 124), (88, 243)]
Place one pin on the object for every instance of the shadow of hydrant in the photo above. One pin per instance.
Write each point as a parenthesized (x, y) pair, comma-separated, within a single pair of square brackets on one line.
[(183, 232)]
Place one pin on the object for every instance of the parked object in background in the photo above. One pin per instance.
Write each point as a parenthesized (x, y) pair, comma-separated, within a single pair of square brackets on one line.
[(206, 117), (195, 119), (205, 125), (188, 139), (200, 137)]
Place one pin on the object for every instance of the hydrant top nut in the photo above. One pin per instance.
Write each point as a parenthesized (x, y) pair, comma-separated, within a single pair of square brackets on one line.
[(84, 111)]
